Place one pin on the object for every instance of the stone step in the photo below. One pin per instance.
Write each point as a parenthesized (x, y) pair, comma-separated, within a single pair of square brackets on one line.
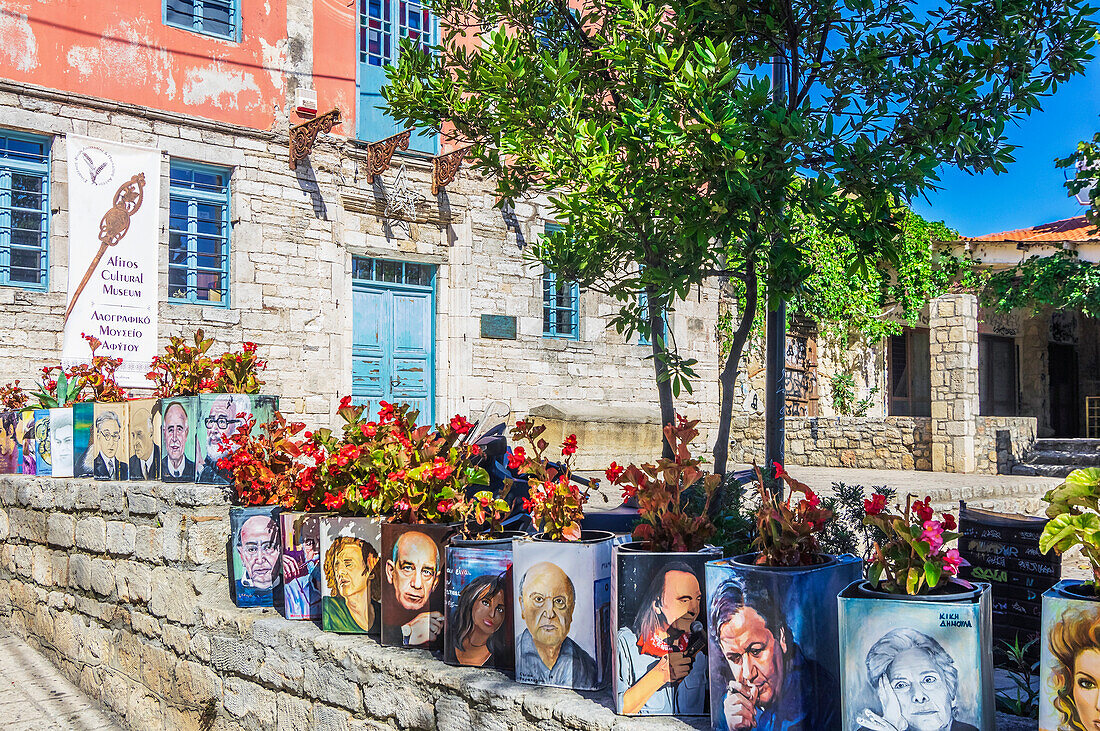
[(1043, 470), (1076, 459), (1060, 444)]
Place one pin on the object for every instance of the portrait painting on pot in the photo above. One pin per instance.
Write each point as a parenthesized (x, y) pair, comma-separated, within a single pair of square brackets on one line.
[(178, 416), (914, 665), (773, 655), (350, 588), (43, 465), (9, 443), (301, 537), (563, 614), (220, 415), (412, 584), (109, 450), (145, 429), (256, 552), (660, 661), (1069, 682), (28, 451), (61, 442), (83, 444), (478, 624)]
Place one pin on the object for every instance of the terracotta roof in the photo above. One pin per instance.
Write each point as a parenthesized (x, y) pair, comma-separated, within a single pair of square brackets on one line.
[(1069, 229)]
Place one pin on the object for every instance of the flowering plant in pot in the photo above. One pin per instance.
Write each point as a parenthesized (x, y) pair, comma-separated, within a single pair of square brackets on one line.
[(659, 603), (183, 369), (1071, 609), (772, 600), (180, 374), (239, 372), (913, 615), (561, 577)]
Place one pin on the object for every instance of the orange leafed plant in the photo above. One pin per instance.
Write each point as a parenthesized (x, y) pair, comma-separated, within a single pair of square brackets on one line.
[(554, 501), (267, 463)]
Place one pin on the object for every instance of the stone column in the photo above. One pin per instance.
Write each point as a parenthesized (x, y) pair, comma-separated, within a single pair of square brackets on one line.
[(953, 347)]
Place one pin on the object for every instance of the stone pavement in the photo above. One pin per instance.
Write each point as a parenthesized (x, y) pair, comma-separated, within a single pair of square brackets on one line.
[(35, 696)]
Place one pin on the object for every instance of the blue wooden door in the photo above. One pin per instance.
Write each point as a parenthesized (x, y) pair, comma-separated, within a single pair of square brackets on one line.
[(381, 24), (393, 356)]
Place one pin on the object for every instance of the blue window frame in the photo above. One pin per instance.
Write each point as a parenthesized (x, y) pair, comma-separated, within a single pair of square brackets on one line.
[(560, 303), (643, 301), (219, 18), (198, 234), (24, 209)]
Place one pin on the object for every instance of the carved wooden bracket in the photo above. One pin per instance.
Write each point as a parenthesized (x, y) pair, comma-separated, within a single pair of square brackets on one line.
[(302, 136), (445, 168), (379, 153)]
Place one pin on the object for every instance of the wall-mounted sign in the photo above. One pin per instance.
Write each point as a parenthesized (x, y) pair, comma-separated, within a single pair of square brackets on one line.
[(498, 327)]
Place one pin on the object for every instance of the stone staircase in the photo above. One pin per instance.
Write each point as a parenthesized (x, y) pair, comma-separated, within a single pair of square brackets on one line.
[(1058, 457)]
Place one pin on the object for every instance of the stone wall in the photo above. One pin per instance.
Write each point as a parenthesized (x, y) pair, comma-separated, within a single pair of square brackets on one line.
[(123, 587), (294, 236), (892, 442), (1001, 441)]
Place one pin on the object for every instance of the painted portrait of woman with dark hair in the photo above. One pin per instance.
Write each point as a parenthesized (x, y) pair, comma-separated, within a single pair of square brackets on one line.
[(1074, 641), (479, 616)]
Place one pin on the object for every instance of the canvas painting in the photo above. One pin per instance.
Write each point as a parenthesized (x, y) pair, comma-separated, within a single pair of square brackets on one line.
[(562, 607), (28, 450), (256, 556), (773, 657), (301, 537), (660, 606), (110, 442), (219, 417), (1069, 685), (9, 443), (479, 630), (178, 418), (43, 464), (412, 584), (61, 442), (914, 664), (144, 446), (350, 587), (83, 445)]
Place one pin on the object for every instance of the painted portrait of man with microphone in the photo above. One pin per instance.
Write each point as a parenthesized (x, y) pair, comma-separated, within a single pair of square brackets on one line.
[(656, 656)]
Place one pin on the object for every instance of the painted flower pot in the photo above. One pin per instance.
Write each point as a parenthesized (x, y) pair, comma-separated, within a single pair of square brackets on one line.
[(179, 417), (478, 630), (563, 611), (917, 661), (61, 441), (9, 443), (84, 453), (145, 439), (773, 643), (658, 616), (43, 457), (301, 541), (219, 415), (350, 587), (255, 553), (28, 449), (413, 557), (1069, 658), (111, 442)]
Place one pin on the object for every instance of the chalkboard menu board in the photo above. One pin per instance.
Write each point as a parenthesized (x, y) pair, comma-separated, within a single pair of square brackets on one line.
[(1003, 549)]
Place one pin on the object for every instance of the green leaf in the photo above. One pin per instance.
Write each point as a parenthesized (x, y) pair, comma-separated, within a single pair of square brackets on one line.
[(932, 573)]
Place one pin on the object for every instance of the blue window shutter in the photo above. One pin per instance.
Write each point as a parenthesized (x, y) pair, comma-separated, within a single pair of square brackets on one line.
[(218, 18), (560, 303), (24, 209), (198, 234)]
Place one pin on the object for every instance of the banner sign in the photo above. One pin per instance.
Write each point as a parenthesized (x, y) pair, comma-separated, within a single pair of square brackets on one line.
[(114, 234)]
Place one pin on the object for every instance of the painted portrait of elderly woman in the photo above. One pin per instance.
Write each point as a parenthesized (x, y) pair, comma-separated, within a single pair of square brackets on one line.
[(916, 683), (1074, 665)]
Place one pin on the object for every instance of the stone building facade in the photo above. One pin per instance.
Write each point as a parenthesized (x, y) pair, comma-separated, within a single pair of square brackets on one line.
[(313, 250)]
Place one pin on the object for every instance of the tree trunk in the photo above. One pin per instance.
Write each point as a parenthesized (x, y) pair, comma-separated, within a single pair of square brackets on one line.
[(658, 343), (728, 377)]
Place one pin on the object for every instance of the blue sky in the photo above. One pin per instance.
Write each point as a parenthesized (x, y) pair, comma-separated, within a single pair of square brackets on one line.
[(1032, 191)]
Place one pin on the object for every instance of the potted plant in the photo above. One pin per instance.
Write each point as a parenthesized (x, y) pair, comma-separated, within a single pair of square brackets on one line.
[(772, 649), (265, 465), (58, 390), (916, 640), (431, 470), (13, 399), (180, 374), (1070, 649), (658, 599), (346, 481), (100, 420), (561, 576), (478, 627)]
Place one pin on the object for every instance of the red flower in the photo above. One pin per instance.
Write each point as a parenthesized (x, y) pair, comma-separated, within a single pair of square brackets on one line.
[(952, 561), (440, 469), (460, 425), (923, 509), (521, 425), (569, 446), (484, 500), (333, 502), (369, 429), (779, 471), (629, 490), (345, 402), (875, 505), (402, 504), (445, 506), (949, 522), (385, 412), (396, 475), (250, 347), (516, 458), (474, 450), (613, 473)]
